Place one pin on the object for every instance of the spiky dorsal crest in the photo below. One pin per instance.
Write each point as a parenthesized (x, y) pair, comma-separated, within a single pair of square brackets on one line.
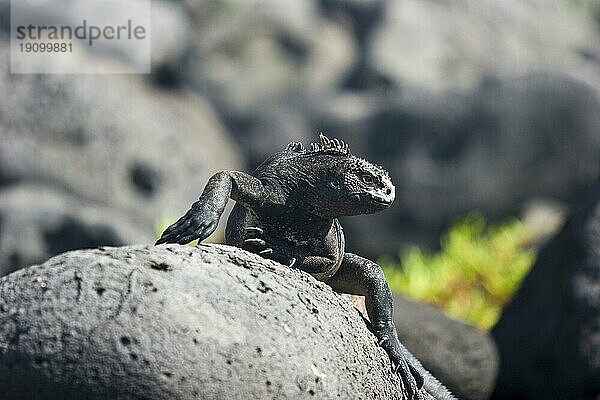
[(326, 145), (296, 147)]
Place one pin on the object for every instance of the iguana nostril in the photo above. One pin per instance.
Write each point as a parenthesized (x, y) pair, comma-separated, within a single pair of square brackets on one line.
[(388, 191)]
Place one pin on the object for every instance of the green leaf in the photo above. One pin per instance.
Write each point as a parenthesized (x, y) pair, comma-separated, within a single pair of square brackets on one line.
[(475, 273)]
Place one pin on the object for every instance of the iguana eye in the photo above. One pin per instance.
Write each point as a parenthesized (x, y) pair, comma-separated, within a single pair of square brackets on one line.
[(366, 178)]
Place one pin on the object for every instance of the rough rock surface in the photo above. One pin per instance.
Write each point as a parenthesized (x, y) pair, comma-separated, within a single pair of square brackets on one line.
[(462, 357), (176, 322), (549, 335)]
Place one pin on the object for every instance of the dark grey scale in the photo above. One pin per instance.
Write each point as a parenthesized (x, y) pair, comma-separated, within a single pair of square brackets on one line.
[(287, 210)]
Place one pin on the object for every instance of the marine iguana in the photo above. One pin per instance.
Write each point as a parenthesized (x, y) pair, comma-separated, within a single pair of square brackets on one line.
[(287, 211)]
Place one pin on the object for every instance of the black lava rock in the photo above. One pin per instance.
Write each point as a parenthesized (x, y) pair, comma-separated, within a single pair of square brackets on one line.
[(176, 322)]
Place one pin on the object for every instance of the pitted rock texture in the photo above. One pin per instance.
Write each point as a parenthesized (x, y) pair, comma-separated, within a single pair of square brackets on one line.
[(176, 322)]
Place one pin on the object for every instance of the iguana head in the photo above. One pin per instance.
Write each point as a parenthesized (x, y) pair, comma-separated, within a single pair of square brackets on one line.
[(337, 183)]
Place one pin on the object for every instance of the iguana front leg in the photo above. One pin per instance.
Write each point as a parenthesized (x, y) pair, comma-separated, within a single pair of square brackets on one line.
[(202, 218), (362, 277)]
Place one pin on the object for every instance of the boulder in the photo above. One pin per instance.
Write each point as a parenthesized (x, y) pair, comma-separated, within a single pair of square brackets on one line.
[(461, 356), (256, 54), (484, 104), (549, 335), (177, 322)]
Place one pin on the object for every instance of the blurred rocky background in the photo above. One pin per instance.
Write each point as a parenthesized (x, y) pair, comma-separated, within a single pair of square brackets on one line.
[(472, 105), (486, 105)]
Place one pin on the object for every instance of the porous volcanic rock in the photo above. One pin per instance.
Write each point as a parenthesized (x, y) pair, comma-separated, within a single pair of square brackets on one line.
[(176, 322)]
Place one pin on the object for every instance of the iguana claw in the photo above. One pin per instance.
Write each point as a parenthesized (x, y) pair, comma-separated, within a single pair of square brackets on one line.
[(255, 243), (254, 230)]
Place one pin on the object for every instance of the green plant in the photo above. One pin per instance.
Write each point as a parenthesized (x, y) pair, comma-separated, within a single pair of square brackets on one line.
[(475, 273)]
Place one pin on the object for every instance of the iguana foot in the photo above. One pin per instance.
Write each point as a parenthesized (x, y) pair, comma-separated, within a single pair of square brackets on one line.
[(412, 379), (258, 243), (198, 223)]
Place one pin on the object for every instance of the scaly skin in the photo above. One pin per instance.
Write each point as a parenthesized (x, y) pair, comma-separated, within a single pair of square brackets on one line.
[(287, 210)]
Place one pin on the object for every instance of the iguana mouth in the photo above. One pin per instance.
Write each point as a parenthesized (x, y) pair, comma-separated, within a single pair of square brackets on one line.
[(382, 202), (372, 199), (378, 201)]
